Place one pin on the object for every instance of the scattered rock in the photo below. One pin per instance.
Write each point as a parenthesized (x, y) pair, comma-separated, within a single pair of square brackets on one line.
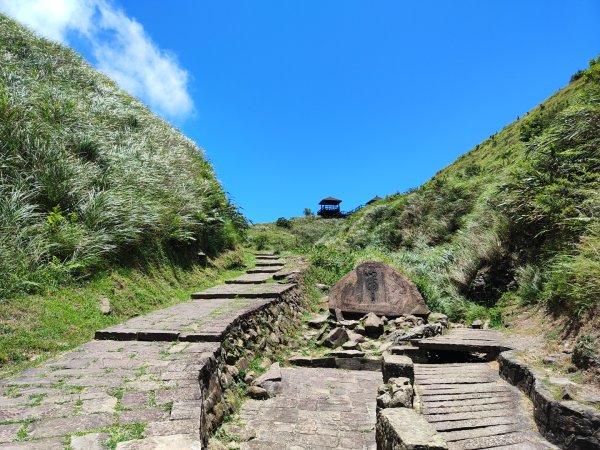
[(105, 306), (214, 444), (373, 325), (397, 393), (346, 354), (438, 318), (550, 359), (266, 363), (420, 332), (307, 361), (567, 393), (336, 337), (243, 364), (233, 371), (243, 434), (350, 345), (257, 393), (249, 377), (338, 315), (477, 324), (322, 287), (350, 324), (356, 337), (318, 321)]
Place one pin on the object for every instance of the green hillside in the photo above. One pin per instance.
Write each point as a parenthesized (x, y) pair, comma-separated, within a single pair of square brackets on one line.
[(514, 218), (100, 201), (90, 178)]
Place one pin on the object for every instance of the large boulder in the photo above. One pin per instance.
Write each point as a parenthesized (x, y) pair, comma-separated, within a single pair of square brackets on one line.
[(378, 288)]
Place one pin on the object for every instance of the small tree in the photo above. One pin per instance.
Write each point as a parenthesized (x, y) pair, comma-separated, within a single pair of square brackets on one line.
[(283, 223), (308, 212)]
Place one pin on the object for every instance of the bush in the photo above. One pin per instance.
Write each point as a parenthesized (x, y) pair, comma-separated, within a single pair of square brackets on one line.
[(283, 222)]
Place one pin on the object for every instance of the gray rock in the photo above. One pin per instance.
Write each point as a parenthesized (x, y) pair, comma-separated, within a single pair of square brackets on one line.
[(242, 433), (477, 324), (356, 337), (397, 393), (273, 374), (404, 428), (257, 393), (249, 377), (92, 441), (373, 325), (105, 306), (350, 345), (336, 337), (397, 366), (173, 442), (350, 324), (346, 354), (322, 286), (438, 318), (318, 321), (378, 288)]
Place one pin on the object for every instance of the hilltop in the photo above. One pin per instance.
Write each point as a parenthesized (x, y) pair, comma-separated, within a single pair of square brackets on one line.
[(99, 198)]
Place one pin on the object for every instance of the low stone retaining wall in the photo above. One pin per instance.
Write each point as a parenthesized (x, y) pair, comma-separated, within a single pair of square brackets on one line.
[(259, 331), (405, 429), (568, 424)]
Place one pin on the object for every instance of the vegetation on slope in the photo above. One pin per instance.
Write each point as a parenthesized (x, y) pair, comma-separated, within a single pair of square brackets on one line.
[(89, 178), (514, 218), (296, 234)]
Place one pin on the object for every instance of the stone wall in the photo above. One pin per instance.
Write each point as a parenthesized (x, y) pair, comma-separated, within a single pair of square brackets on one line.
[(568, 424), (261, 330), (405, 429)]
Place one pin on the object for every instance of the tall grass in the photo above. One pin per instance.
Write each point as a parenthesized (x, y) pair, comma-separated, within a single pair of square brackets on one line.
[(89, 177)]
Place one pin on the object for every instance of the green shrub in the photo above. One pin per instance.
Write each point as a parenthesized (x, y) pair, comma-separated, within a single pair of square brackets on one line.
[(283, 222)]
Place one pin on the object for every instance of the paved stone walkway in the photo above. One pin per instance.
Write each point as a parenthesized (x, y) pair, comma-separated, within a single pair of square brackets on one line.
[(104, 385), (317, 409), (473, 408), (139, 379)]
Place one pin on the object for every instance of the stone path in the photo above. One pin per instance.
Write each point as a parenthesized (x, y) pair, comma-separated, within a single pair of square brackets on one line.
[(466, 340), (473, 408), (317, 409), (139, 379)]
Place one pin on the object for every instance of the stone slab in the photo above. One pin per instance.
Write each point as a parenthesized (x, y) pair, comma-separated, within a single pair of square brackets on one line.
[(263, 269), (193, 321), (404, 428), (465, 340), (244, 291), (268, 263), (376, 287), (250, 278)]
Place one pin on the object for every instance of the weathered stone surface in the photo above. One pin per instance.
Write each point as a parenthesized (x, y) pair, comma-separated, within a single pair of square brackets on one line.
[(395, 366), (59, 427), (105, 306), (174, 442), (370, 364), (257, 393), (92, 441), (244, 291), (250, 278), (308, 361), (318, 321), (396, 393), (346, 353), (336, 337), (378, 288), (373, 325), (405, 429), (566, 423), (317, 409)]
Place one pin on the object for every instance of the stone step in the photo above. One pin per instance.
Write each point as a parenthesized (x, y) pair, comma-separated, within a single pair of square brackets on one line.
[(492, 441), (250, 278), (471, 433), (265, 269), (268, 263), (193, 321), (243, 291)]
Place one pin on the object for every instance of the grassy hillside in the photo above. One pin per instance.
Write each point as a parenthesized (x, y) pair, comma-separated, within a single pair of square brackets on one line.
[(296, 234), (514, 220), (90, 179)]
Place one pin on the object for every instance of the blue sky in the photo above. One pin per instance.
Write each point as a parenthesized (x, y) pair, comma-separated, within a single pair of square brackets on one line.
[(294, 101)]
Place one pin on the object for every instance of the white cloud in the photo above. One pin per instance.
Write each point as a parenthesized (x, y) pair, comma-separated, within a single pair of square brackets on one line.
[(120, 45)]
